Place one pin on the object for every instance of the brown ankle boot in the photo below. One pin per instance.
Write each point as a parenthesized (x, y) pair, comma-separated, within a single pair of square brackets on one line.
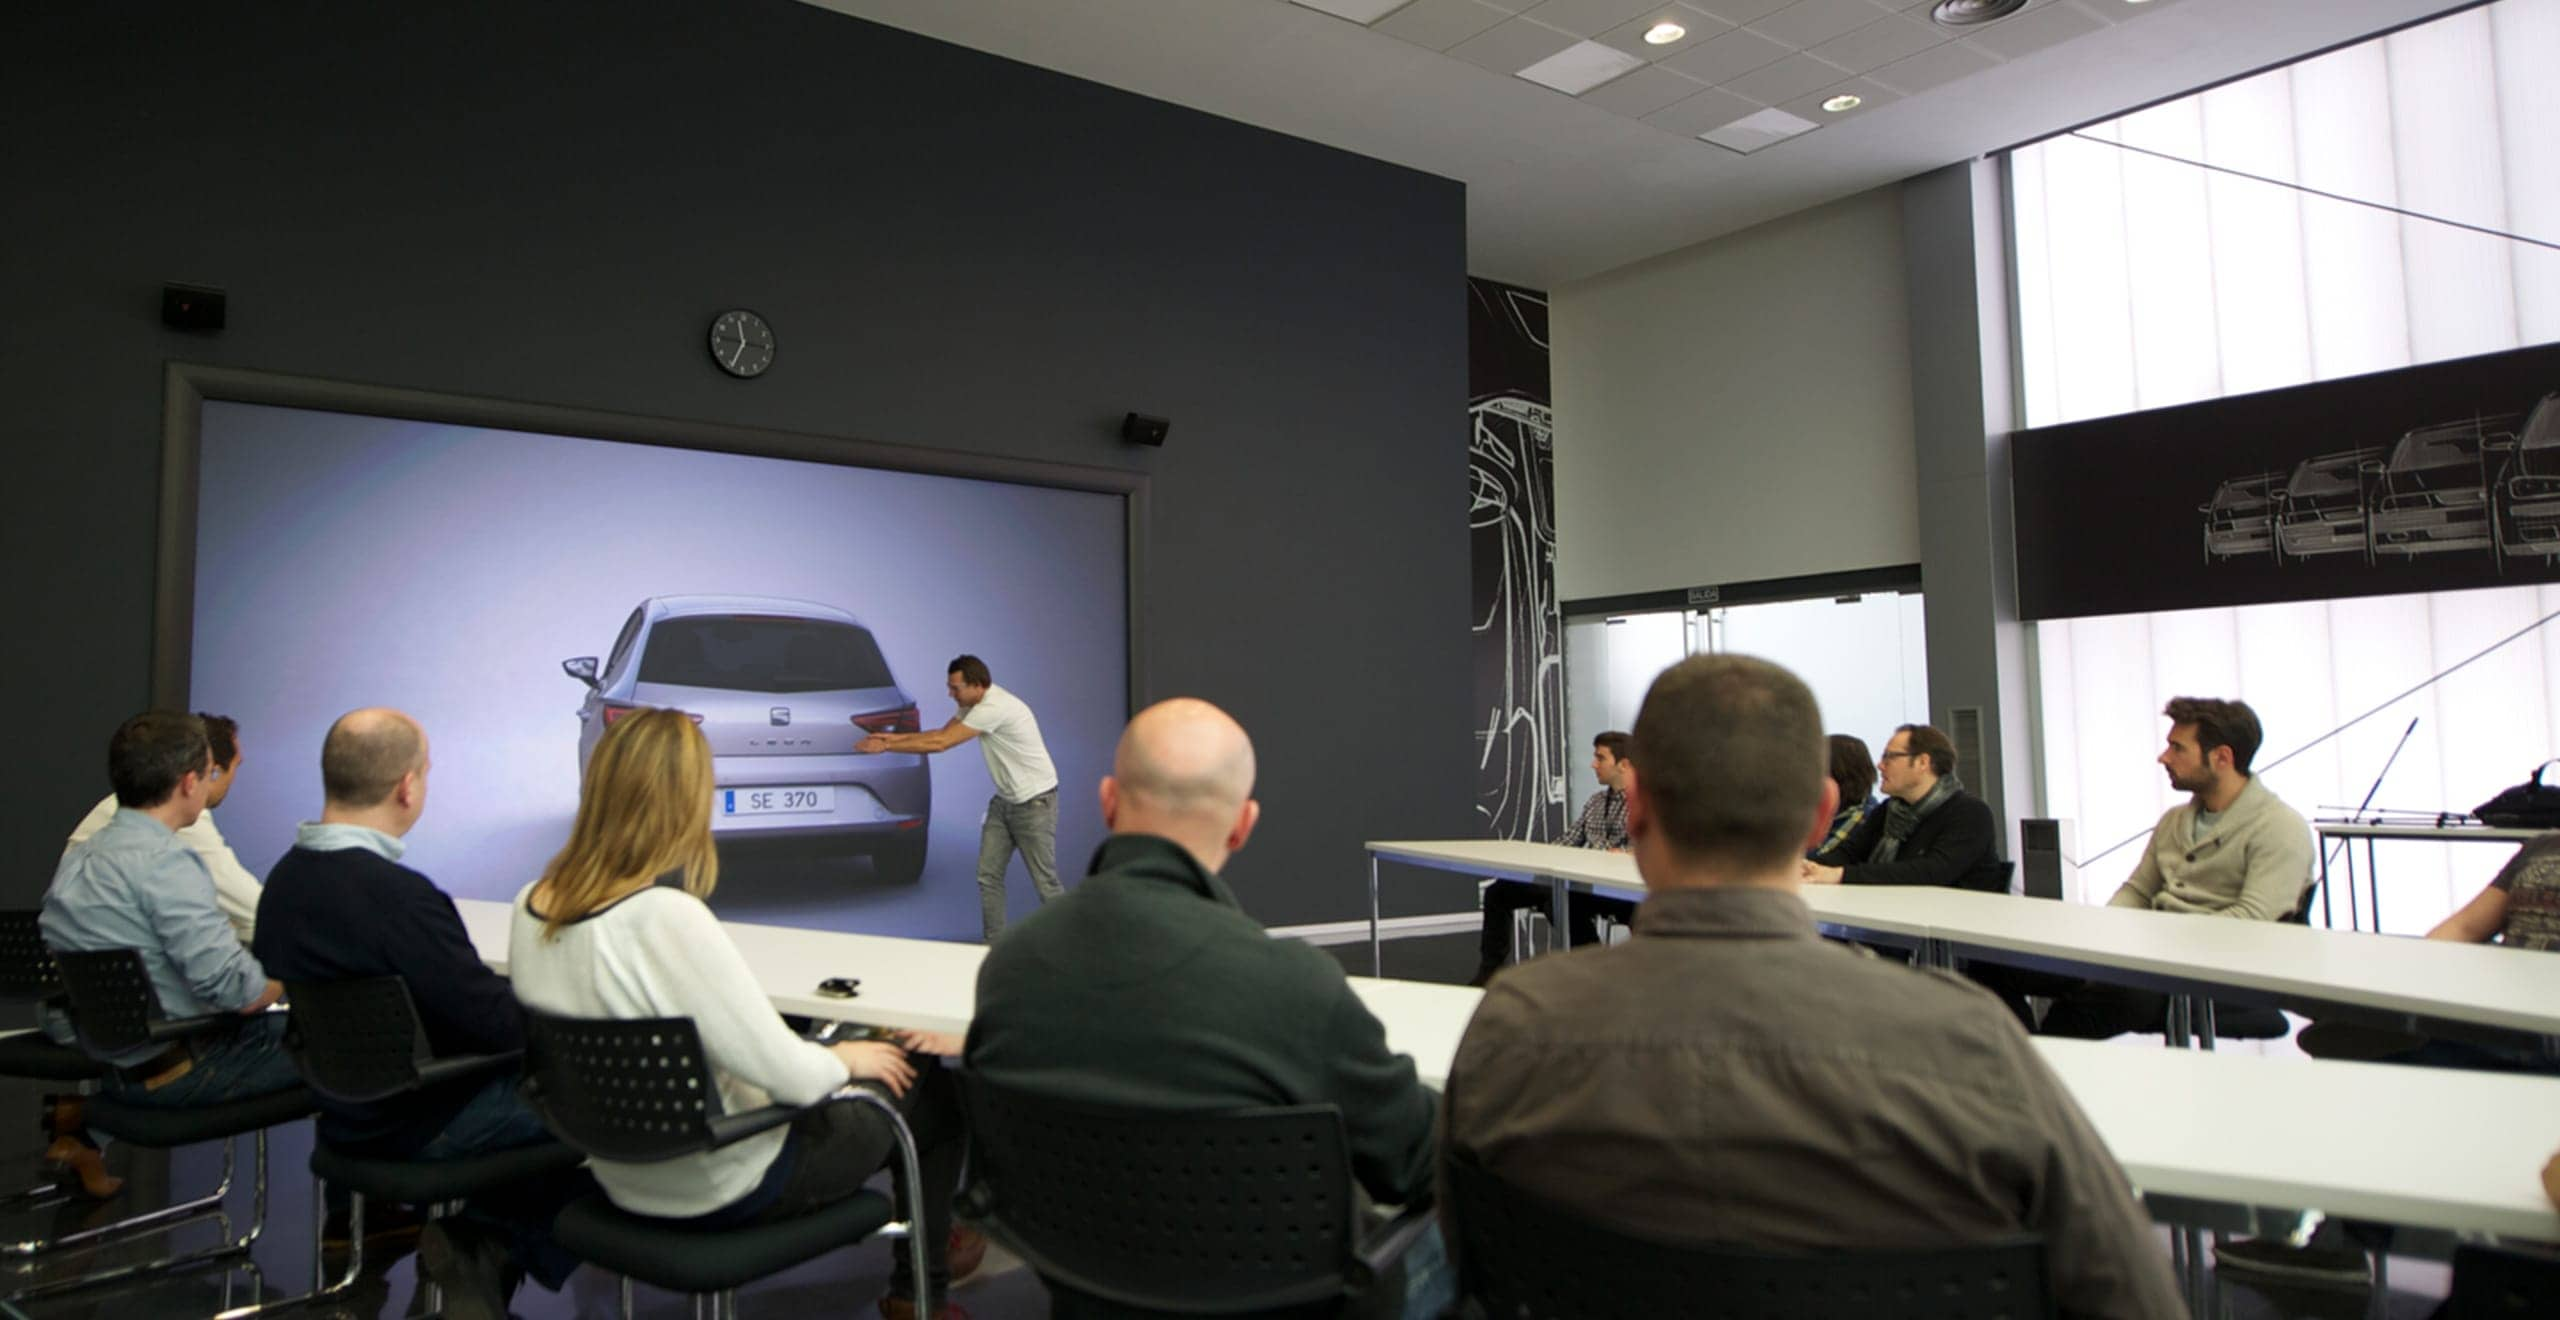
[(71, 1153)]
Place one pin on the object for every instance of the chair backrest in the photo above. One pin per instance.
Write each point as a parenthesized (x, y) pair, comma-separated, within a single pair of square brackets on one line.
[(27, 974), (1523, 1258), (113, 1007), (1201, 1213), (635, 1090), (2492, 1283), (357, 1041)]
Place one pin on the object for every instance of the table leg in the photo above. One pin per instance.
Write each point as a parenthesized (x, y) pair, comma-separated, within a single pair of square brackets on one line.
[(2201, 1015), (1562, 895), (2326, 921), (2355, 919), (2180, 1029), (1377, 954), (2373, 884)]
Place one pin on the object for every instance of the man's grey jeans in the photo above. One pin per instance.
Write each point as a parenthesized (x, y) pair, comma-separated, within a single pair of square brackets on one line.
[(1030, 827)]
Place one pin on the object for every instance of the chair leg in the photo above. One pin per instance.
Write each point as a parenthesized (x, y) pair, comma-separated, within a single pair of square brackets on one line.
[(167, 1217), (914, 1171), (626, 1297)]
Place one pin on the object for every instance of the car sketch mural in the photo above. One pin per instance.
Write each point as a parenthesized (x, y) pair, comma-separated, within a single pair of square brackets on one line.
[(2487, 484)]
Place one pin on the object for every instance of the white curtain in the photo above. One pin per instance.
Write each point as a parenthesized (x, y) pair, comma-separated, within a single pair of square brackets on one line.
[(2145, 282)]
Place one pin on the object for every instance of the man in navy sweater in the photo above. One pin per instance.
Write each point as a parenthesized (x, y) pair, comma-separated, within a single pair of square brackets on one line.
[(338, 907)]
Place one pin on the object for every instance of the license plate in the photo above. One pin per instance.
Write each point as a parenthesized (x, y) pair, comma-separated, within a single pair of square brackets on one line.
[(776, 801)]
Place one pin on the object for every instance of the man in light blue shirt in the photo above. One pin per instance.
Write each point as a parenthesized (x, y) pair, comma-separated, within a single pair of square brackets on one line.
[(136, 885)]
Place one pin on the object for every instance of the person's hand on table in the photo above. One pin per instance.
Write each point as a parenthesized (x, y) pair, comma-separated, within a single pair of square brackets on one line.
[(1808, 873), (879, 1061), (2551, 1181), (947, 1044)]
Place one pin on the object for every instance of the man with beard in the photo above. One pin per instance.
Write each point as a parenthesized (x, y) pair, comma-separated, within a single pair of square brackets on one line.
[(2230, 850)]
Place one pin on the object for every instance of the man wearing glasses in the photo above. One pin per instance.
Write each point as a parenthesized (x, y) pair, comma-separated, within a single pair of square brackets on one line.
[(1931, 831)]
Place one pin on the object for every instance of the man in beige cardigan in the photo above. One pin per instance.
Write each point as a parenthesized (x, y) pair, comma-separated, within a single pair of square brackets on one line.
[(2231, 850)]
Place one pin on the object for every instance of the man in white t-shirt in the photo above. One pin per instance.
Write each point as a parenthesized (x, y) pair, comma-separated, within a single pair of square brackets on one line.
[(235, 890), (1023, 814)]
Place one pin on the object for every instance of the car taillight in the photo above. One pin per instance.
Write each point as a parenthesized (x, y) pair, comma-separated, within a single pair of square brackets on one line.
[(614, 711), (901, 720)]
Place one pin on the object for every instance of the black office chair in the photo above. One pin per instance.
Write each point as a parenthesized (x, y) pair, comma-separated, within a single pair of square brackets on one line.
[(1523, 1258), (114, 1010), (360, 1042), (640, 1091), (28, 978), (1199, 1213), (2493, 1283)]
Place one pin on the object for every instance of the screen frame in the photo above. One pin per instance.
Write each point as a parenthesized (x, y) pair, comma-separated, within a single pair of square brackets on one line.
[(189, 386)]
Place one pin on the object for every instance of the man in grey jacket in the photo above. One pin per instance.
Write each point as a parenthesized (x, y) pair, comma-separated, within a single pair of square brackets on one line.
[(2231, 850), (1728, 1076)]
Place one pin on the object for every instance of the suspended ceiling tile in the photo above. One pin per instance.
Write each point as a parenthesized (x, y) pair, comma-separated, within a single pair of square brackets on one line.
[(1812, 22), (1641, 93), (1728, 57), (2035, 30), (1629, 36), (1701, 112), (1588, 18), (1512, 46), (1785, 80), (1934, 67), (1880, 43), (1440, 24)]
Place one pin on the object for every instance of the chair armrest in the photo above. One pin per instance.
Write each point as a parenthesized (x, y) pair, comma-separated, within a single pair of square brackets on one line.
[(437, 1071), (1383, 1246), (729, 1129)]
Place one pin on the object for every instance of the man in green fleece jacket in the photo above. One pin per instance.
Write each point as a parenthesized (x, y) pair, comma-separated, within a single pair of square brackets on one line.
[(2233, 849), (1147, 986)]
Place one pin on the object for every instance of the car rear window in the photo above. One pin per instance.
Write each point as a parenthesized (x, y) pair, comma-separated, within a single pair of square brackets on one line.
[(762, 653)]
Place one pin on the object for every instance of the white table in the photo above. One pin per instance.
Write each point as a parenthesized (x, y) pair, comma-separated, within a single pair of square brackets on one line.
[(2376, 976), (2465, 1157), (932, 985), (2351, 831)]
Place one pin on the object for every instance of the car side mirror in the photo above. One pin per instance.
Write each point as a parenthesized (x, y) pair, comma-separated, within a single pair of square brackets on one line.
[(582, 669)]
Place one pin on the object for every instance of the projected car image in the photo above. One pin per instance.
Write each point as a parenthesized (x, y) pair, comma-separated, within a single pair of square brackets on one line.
[(2528, 490), (2434, 492), (783, 689), (2324, 510), (2240, 519)]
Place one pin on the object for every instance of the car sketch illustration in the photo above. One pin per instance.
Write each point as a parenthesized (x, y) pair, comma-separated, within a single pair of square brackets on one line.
[(2434, 491), (2240, 519), (783, 689), (2527, 492), (2324, 505)]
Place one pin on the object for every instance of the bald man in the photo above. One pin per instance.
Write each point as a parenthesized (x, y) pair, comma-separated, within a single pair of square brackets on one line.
[(339, 906), (1147, 986)]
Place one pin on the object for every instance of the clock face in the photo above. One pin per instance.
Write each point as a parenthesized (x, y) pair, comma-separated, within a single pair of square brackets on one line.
[(742, 343)]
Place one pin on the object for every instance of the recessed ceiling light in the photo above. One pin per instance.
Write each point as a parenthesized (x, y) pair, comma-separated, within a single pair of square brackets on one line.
[(1664, 33), (1972, 13), (1844, 101), (1581, 66)]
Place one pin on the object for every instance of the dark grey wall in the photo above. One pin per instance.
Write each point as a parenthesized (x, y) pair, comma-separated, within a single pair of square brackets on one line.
[(547, 202)]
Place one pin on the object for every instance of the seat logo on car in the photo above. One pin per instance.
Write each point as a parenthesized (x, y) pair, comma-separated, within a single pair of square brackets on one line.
[(781, 716)]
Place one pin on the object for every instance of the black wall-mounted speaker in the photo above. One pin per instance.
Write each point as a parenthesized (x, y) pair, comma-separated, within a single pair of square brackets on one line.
[(1140, 429), (189, 307)]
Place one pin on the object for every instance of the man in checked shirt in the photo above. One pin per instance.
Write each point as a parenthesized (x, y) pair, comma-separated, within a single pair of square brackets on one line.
[(1603, 825)]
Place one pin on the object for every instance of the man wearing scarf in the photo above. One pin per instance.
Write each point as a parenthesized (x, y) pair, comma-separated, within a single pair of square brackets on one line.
[(1931, 831)]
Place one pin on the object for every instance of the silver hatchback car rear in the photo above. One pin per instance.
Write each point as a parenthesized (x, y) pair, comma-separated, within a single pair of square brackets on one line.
[(783, 689)]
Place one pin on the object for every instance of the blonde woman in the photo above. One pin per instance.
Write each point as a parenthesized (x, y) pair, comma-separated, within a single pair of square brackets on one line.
[(598, 937)]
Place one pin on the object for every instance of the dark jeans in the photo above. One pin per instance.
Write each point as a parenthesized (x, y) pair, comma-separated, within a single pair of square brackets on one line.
[(235, 1066), (2081, 1010), (496, 1119), (2352, 1040), (835, 1148), (1504, 897)]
